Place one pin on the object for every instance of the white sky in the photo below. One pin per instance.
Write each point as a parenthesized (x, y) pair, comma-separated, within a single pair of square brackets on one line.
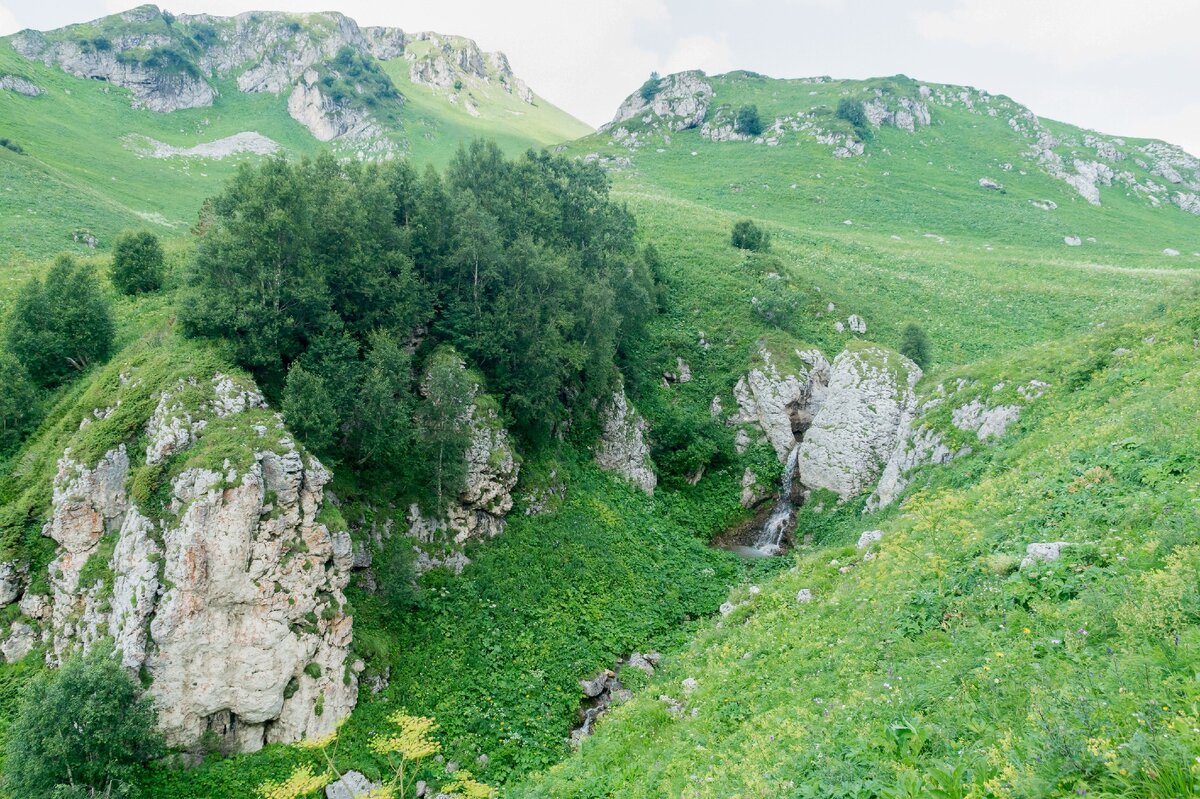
[(1119, 66)]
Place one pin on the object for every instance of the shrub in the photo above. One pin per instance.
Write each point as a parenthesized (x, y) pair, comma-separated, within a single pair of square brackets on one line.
[(11, 145), (82, 730), (137, 263), (749, 236), (853, 112), (62, 326), (778, 302), (650, 87), (748, 122), (914, 345)]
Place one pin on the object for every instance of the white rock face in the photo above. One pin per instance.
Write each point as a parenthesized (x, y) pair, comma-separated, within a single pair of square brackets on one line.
[(10, 582), (921, 445), (623, 448), (13, 83), (681, 102), (232, 604), (325, 119), (852, 436), (19, 643), (916, 447), (781, 401), (984, 421)]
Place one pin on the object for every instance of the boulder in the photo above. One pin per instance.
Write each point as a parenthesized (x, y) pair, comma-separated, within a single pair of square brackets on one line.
[(1043, 552), (20, 642), (352, 785)]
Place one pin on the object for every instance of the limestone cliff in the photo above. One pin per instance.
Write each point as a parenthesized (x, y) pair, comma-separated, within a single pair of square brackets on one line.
[(199, 549)]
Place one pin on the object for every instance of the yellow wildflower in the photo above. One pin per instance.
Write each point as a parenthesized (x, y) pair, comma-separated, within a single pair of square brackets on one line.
[(301, 783), (413, 741)]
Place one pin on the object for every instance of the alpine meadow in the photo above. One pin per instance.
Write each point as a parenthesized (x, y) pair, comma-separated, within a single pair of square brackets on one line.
[(371, 427)]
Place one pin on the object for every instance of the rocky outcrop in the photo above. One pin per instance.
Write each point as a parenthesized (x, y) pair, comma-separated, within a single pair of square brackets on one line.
[(134, 60), (623, 448), (174, 62), (325, 119), (782, 396), (680, 102), (921, 443), (480, 507), (19, 85), (852, 436), (229, 598)]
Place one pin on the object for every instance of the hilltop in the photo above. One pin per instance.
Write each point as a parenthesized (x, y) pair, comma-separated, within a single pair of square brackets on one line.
[(136, 117)]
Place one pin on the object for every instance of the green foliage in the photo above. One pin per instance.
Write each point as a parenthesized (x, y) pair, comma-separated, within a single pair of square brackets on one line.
[(11, 145), (444, 427), (309, 408), (18, 402), (137, 263), (650, 88), (530, 270), (914, 345), (81, 730), (61, 326), (747, 121), (748, 236), (356, 79), (778, 302), (853, 112)]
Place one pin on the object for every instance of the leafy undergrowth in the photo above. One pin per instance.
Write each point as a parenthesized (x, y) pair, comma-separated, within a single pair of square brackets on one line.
[(495, 654), (940, 667)]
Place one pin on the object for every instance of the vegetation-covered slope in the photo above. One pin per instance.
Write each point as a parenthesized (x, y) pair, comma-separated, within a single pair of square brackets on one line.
[(940, 662), (96, 156)]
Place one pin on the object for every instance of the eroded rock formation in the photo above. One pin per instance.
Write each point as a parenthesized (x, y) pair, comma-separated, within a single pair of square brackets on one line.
[(228, 596)]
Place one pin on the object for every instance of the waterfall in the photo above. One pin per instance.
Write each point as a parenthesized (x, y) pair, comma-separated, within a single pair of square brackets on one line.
[(770, 535)]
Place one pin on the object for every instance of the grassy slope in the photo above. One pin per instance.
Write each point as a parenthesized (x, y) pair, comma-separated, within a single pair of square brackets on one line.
[(939, 654), (78, 170)]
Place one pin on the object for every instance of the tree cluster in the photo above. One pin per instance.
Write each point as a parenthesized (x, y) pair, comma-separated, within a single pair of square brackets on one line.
[(333, 281)]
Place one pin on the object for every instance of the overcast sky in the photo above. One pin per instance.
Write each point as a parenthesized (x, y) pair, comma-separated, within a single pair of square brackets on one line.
[(1124, 67)]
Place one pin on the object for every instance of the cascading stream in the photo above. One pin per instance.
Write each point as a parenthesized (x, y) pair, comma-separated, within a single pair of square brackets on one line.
[(770, 536)]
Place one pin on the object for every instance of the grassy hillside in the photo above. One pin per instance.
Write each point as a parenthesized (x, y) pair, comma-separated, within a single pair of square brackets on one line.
[(87, 167), (941, 666)]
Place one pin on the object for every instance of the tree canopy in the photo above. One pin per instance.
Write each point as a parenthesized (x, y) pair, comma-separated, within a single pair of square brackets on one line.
[(328, 279)]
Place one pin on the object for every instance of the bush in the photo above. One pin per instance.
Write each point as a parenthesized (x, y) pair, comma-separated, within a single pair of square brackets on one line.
[(9, 144), (778, 302), (82, 730), (914, 345), (62, 326), (748, 122), (137, 263), (749, 236), (650, 87), (853, 112)]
